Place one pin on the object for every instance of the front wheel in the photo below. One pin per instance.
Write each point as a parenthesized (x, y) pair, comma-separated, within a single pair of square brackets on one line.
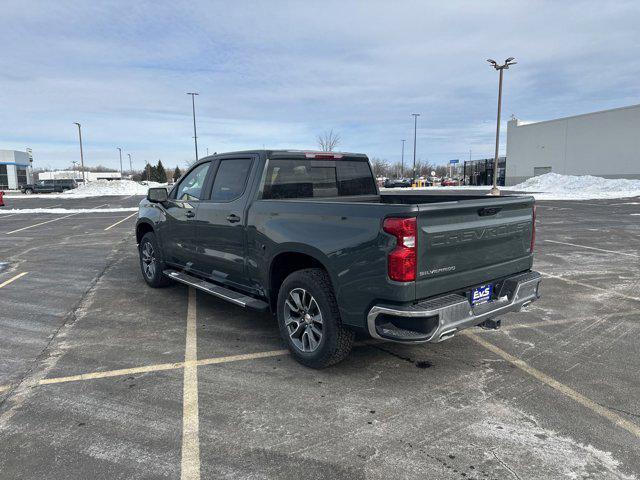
[(309, 319), (28, 191), (151, 262)]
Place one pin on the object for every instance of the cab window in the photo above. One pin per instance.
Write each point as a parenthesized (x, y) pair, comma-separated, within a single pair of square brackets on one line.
[(190, 187), (231, 180)]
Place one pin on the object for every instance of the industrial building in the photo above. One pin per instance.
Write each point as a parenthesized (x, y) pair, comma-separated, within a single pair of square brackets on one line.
[(604, 144), (77, 175), (15, 169)]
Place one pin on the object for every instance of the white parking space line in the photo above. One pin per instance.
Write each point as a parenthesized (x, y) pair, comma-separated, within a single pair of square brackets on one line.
[(560, 387), (593, 287), (12, 279), (120, 221), (594, 248), (190, 464), (49, 221)]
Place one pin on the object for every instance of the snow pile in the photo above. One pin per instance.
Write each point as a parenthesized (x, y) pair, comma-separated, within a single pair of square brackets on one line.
[(97, 188), (101, 188), (553, 186), (62, 211)]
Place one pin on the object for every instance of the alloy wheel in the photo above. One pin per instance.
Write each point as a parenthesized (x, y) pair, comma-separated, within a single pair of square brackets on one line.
[(148, 260), (303, 320)]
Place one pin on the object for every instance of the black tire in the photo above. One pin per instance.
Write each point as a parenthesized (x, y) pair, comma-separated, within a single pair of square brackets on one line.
[(335, 341), (153, 267), (28, 191)]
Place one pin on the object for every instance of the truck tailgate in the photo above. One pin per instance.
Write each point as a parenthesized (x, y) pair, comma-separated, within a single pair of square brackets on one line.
[(470, 242)]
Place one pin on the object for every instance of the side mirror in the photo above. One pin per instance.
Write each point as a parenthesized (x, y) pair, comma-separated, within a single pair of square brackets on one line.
[(157, 195)]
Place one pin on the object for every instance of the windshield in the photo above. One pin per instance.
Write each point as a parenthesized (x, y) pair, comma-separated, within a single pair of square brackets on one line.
[(305, 178)]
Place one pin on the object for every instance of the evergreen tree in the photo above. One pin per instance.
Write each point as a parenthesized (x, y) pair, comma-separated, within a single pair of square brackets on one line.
[(160, 173), (176, 174)]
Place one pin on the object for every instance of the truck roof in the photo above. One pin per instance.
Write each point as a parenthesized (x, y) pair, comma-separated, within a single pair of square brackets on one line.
[(294, 154)]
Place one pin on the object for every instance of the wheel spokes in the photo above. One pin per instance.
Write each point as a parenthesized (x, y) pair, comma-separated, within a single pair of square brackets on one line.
[(297, 296), (303, 320)]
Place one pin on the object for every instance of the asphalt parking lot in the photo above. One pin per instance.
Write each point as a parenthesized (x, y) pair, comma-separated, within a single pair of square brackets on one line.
[(103, 377)]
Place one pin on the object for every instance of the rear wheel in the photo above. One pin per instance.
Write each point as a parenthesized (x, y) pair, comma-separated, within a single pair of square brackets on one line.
[(309, 319), (151, 262)]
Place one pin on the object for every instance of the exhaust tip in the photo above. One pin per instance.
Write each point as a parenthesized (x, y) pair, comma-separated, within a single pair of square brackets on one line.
[(447, 334)]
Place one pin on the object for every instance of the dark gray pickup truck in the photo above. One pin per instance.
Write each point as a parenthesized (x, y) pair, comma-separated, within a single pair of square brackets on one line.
[(308, 236)]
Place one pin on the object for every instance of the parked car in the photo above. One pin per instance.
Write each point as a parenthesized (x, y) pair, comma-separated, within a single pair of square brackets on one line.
[(308, 236), (397, 182), (449, 182), (48, 186)]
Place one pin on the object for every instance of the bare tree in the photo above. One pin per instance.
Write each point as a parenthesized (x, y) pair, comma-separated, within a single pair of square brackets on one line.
[(328, 141), (380, 167)]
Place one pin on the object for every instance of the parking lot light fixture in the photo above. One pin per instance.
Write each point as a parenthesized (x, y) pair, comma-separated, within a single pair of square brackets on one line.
[(402, 161), (193, 107), (81, 153), (120, 153), (415, 135), (501, 68)]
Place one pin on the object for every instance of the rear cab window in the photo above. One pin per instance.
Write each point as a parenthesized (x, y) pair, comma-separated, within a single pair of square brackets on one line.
[(231, 180), (310, 178)]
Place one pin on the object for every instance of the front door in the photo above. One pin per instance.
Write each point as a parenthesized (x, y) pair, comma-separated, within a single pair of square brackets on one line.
[(178, 230), (221, 223)]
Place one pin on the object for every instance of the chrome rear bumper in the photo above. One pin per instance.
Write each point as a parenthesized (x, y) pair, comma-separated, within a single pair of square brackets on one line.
[(439, 318)]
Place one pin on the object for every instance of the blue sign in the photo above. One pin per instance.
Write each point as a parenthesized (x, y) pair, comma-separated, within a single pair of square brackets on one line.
[(454, 161)]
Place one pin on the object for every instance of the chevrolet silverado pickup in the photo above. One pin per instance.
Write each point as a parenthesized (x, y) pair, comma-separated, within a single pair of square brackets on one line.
[(309, 237)]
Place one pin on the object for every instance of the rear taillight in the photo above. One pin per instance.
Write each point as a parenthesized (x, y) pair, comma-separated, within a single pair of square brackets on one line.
[(402, 260), (533, 230)]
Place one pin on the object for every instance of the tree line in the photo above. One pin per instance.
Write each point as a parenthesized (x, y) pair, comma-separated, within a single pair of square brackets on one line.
[(157, 173), (382, 168)]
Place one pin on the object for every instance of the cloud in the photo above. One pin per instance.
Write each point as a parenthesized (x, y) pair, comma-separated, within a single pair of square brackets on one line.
[(277, 73)]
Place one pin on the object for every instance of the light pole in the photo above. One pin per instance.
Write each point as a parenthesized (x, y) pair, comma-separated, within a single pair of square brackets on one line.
[(415, 134), (501, 68), (193, 106), (120, 153), (130, 164), (81, 153), (402, 161)]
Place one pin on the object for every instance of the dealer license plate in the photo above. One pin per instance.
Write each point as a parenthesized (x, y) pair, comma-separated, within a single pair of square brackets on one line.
[(481, 294)]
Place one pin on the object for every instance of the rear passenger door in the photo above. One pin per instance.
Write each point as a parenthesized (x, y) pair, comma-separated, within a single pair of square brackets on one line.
[(45, 186), (221, 222)]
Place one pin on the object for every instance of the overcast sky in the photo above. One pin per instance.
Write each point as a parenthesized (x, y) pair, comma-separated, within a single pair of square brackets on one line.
[(275, 74)]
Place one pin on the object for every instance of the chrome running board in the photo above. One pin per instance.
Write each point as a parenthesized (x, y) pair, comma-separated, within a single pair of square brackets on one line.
[(232, 296)]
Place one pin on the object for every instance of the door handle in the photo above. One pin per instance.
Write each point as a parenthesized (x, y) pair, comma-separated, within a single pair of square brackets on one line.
[(233, 218), (189, 214)]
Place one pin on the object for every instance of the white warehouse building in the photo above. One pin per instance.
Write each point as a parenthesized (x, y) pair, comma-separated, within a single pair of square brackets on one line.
[(604, 144)]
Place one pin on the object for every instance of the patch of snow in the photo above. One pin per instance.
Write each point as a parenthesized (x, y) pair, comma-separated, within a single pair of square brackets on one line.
[(98, 188), (63, 211), (553, 186), (508, 433), (437, 188)]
